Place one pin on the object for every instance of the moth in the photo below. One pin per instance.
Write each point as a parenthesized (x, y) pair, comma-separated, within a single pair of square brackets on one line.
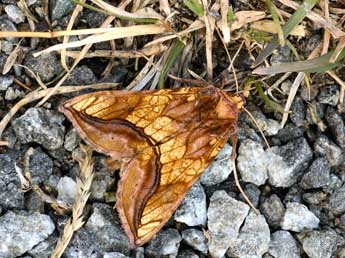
[(165, 140)]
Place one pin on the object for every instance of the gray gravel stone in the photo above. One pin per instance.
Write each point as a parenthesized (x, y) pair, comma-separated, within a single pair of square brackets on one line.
[(12, 94), (41, 126), (101, 234), (336, 201), (45, 66), (273, 210), (20, 232), (72, 140), (314, 198), (10, 194), (187, 254), (272, 128), (290, 132), (45, 248), (254, 238), (298, 218), (336, 124), (220, 168), (40, 166), (80, 76), (252, 162), (283, 245), (196, 239), (104, 178), (60, 8), (7, 25), (281, 55), (67, 190), (325, 147), (320, 244), (287, 162), (5, 82), (298, 111), (114, 255), (317, 174), (14, 13), (225, 216), (192, 210), (329, 95), (165, 244)]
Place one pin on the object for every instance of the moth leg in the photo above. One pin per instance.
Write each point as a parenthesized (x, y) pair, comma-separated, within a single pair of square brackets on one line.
[(237, 182)]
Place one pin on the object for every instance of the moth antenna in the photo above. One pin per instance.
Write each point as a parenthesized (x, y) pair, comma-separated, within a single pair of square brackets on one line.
[(256, 124), (245, 196)]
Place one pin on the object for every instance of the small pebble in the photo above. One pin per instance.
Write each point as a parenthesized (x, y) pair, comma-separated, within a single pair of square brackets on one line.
[(81, 75), (192, 210), (320, 244), (220, 168), (101, 233), (10, 194), (325, 147), (273, 210), (225, 216), (12, 94), (336, 201), (14, 13), (298, 112), (60, 8), (329, 95), (298, 218), (196, 239), (287, 162), (5, 82), (252, 162), (317, 174), (67, 190), (283, 245), (253, 239), (165, 244), (336, 125), (21, 231), (45, 66), (41, 126)]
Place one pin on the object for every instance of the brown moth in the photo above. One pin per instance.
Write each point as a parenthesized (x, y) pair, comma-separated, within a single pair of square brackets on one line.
[(165, 140)]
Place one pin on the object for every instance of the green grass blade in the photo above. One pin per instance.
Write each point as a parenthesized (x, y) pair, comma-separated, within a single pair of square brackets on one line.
[(175, 52)]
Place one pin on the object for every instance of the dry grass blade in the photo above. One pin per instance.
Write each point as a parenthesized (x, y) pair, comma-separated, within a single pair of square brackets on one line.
[(3, 143), (74, 16), (117, 33), (149, 51), (223, 23), (209, 24), (76, 221), (11, 59), (147, 14), (54, 34), (36, 95), (294, 87)]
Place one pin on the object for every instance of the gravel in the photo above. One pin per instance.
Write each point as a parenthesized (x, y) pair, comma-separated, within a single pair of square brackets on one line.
[(298, 218), (297, 184)]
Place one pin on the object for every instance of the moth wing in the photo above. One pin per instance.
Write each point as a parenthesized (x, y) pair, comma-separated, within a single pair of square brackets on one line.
[(167, 137)]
